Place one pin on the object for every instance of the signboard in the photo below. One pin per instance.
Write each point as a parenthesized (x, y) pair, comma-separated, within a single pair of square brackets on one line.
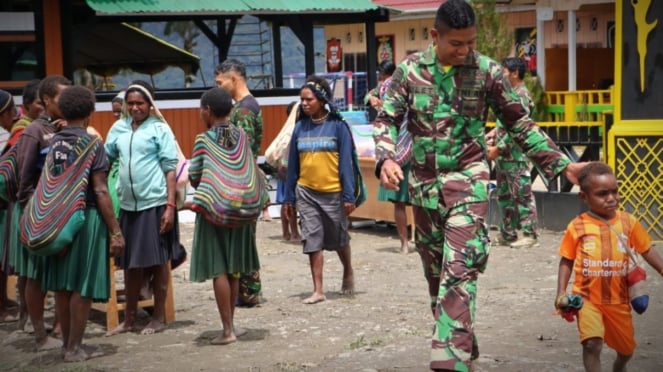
[(386, 48), (526, 46), (334, 55)]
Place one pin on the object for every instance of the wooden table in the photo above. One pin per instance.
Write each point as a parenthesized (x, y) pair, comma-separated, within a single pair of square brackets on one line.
[(372, 209)]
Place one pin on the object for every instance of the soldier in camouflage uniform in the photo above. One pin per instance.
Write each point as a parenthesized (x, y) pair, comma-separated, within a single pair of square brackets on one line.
[(445, 92), (246, 114), (514, 181)]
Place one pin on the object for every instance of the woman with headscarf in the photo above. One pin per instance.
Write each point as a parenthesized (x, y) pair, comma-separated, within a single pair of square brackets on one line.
[(321, 180), (145, 146)]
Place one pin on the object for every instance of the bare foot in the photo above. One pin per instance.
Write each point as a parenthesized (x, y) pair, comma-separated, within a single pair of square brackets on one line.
[(286, 237), (122, 328), (8, 317), (154, 326), (239, 331), (56, 332), (296, 238), (405, 248), (48, 343), (224, 340), (348, 286), (84, 352), (314, 299)]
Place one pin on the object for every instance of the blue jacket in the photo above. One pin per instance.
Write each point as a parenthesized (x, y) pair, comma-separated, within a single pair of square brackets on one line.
[(145, 155)]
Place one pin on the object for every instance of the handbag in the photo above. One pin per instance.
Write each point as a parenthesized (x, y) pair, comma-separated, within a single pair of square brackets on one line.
[(276, 154), (56, 211), (8, 170), (232, 191)]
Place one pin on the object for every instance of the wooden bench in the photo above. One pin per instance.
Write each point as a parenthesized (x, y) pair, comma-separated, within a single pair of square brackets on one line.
[(11, 287), (113, 307)]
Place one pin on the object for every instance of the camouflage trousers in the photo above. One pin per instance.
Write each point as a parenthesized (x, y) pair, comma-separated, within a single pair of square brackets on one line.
[(250, 289), (454, 247), (516, 199)]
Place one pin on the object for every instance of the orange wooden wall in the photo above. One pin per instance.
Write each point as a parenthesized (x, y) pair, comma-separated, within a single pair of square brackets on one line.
[(592, 66), (186, 124)]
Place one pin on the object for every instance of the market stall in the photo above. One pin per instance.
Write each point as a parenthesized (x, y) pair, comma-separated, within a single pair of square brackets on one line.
[(372, 209)]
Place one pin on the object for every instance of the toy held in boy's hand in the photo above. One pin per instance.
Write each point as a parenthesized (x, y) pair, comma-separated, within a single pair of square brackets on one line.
[(568, 306), (637, 291)]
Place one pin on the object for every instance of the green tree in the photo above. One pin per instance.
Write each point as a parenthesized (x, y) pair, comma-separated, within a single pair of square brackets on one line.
[(494, 38), (538, 96), (188, 32), (497, 40)]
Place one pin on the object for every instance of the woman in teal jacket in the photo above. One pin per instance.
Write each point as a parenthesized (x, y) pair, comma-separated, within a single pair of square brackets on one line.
[(145, 146)]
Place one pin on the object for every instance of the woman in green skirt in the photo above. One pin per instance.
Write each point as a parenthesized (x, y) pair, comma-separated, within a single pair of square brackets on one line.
[(82, 274), (220, 253), (7, 307), (401, 200)]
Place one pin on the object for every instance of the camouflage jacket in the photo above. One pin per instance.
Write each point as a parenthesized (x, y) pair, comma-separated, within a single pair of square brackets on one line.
[(509, 151), (446, 113), (247, 115)]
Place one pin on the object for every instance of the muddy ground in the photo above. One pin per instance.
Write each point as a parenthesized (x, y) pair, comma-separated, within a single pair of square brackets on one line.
[(386, 326)]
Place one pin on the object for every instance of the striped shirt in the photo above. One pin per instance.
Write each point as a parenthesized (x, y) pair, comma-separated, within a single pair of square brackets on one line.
[(601, 261)]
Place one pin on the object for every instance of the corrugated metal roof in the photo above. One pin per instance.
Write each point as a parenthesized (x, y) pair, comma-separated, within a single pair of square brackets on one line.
[(103, 50), (410, 5), (116, 7), (311, 5)]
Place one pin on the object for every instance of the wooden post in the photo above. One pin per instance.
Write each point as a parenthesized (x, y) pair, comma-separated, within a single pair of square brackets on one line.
[(52, 38)]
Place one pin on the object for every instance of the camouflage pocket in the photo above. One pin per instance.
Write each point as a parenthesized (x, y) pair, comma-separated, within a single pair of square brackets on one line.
[(482, 249), (469, 94)]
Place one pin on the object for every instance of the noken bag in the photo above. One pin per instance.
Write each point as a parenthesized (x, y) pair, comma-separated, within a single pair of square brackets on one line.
[(276, 154), (56, 211)]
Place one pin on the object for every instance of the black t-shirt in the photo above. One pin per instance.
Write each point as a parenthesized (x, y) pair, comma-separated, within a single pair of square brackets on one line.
[(61, 147)]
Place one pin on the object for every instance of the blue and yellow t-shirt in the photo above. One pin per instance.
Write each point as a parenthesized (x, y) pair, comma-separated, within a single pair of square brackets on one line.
[(320, 159)]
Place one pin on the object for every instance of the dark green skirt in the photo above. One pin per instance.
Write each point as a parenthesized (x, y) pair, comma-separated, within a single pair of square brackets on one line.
[(4, 241), (222, 250), (400, 196), (24, 262), (85, 267), (13, 242)]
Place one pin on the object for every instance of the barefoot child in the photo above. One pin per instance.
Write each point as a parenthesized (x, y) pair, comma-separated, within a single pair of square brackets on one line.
[(31, 146), (81, 274), (590, 240), (219, 252)]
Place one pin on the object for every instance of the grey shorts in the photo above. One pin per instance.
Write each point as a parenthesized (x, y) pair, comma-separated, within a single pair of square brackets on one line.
[(323, 222)]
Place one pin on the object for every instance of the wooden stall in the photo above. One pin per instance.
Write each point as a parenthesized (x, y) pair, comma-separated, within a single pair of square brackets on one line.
[(373, 209)]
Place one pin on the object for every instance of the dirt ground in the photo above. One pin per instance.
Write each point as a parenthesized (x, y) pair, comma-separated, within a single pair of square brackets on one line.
[(386, 326)]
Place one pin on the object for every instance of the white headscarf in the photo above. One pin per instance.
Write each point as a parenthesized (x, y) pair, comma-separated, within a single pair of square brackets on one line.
[(146, 92)]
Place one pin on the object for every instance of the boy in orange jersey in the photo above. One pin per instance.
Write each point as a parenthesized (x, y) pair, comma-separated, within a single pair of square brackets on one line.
[(593, 247)]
